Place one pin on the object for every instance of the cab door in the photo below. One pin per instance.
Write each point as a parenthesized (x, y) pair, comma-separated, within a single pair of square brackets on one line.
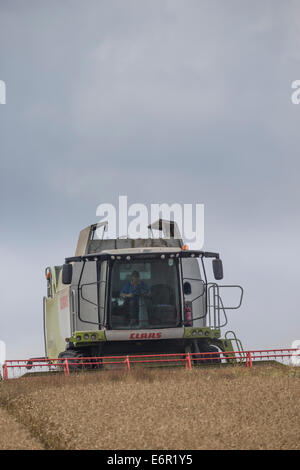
[(194, 292)]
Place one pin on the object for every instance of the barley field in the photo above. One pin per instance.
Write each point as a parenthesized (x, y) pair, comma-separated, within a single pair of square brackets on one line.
[(232, 408)]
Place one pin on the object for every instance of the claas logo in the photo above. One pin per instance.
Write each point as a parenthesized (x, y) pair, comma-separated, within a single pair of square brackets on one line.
[(145, 335)]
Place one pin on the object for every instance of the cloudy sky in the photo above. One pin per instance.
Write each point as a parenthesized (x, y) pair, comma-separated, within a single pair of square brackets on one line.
[(184, 101)]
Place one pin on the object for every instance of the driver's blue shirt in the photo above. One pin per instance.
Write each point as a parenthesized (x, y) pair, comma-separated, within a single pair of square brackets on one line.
[(139, 289)]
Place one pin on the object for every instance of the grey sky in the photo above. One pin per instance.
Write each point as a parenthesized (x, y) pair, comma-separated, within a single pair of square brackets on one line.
[(163, 101)]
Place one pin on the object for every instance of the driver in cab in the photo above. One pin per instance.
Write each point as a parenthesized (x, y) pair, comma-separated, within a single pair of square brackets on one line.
[(132, 290)]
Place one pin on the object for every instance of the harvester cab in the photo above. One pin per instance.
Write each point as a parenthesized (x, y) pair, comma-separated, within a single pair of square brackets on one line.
[(135, 296)]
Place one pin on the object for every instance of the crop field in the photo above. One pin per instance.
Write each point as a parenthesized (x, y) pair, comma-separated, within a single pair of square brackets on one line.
[(231, 408)]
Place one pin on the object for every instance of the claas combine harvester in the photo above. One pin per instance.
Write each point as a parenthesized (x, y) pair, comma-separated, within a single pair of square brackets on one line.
[(136, 297)]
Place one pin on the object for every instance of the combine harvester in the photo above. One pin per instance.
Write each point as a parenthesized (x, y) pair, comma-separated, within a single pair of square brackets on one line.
[(122, 302)]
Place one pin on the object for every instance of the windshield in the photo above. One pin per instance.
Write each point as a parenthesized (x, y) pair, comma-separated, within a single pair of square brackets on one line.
[(144, 294)]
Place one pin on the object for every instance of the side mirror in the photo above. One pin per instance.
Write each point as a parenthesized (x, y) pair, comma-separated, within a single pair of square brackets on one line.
[(67, 273), (187, 288), (217, 269)]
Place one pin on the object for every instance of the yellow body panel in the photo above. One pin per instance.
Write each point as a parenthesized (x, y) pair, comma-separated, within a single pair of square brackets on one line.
[(57, 317)]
